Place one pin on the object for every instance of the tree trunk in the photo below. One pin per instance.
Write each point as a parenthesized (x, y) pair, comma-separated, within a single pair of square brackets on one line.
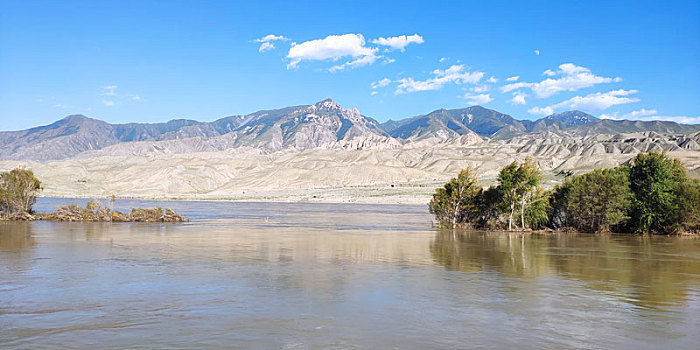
[(522, 212), (510, 218)]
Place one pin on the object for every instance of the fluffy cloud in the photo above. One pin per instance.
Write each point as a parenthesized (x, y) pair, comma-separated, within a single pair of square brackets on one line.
[(492, 80), (477, 99), (481, 88), (541, 111), (537, 52), (266, 46), (597, 101), (334, 47), (399, 42), (513, 78), (381, 83), (571, 78), (268, 42), (455, 74), (518, 99), (108, 103)]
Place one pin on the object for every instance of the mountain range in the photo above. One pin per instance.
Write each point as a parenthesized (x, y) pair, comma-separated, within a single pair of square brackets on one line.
[(322, 125)]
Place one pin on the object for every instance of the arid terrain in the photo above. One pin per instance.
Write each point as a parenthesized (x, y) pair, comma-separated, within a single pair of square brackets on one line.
[(323, 152)]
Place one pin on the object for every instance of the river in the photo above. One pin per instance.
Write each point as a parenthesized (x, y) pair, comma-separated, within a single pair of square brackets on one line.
[(337, 276)]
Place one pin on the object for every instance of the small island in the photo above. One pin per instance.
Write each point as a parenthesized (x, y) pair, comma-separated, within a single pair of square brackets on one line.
[(19, 189), (652, 194)]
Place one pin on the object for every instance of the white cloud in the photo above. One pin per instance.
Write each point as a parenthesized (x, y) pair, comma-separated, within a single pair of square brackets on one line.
[(442, 59), (597, 101), (677, 119), (381, 83), (63, 106), (492, 80), (541, 111), (271, 37), (362, 61), (630, 116), (513, 78), (136, 98), (399, 42), (334, 47), (266, 46), (649, 115), (537, 52), (518, 99), (572, 78), (455, 74), (108, 103), (373, 93), (109, 90), (268, 42), (549, 73), (477, 99), (481, 88)]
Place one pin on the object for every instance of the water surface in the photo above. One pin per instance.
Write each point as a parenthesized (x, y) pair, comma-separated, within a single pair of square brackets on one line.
[(337, 276)]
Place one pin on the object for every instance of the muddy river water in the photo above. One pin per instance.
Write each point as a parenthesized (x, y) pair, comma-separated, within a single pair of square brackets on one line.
[(337, 276)]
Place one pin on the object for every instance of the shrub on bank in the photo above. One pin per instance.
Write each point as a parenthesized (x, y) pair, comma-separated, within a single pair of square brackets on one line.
[(18, 191), (94, 211)]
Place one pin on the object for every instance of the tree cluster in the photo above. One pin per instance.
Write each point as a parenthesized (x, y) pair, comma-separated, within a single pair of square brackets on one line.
[(653, 194)]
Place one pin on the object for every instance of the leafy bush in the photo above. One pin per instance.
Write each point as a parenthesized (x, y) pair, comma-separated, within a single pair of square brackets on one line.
[(593, 202), (18, 191), (454, 204)]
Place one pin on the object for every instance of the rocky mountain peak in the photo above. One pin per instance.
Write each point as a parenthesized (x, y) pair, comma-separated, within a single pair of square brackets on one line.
[(327, 104)]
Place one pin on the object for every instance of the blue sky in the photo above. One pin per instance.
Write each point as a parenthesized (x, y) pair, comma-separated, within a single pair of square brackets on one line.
[(142, 61)]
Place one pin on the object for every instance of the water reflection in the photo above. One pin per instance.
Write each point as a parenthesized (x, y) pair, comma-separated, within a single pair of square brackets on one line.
[(16, 236), (645, 271)]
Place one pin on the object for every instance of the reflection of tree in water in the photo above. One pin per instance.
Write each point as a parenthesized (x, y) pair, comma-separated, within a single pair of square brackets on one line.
[(509, 253), (649, 271), (15, 236)]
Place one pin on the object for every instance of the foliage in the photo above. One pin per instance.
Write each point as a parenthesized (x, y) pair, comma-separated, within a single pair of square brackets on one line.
[(510, 180), (656, 181), (516, 184), (94, 211), (654, 194), (689, 195), (536, 216), (453, 204), (596, 201), (18, 191), (489, 206)]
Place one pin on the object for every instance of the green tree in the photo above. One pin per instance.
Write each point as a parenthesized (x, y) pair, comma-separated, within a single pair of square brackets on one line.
[(510, 180), (595, 201), (531, 178), (489, 203), (516, 184), (454, 203), (656, 181), (18, 191), (537, 214)]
